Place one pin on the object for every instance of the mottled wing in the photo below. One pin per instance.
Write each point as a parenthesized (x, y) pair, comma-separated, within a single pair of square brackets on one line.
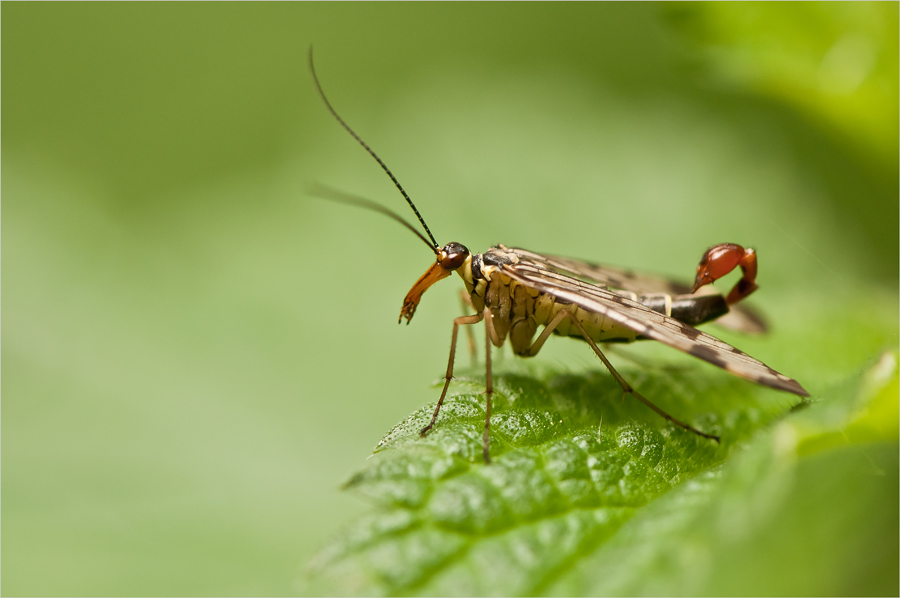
[(647, 323), (627, 280), (740, 317)]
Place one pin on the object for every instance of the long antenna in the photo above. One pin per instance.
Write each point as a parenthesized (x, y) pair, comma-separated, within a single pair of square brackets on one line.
[(318, 190), (312, 68)]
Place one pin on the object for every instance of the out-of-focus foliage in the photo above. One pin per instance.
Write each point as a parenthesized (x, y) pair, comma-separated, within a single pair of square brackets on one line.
[(196, 355), (836, 63)]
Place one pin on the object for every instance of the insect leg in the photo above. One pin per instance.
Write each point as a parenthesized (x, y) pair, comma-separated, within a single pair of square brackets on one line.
[(629, 390), (462, 320), (470, 336), (489, 333), (626, 388), (545, 334)]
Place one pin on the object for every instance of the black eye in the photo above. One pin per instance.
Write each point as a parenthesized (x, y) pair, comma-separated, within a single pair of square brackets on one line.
[(453, 255)]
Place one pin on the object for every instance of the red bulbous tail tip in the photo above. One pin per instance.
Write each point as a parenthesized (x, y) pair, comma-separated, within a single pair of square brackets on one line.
[(721, 259)]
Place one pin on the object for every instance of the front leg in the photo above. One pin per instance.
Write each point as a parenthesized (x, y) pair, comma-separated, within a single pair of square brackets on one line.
[(489, 335), (461, 321), (465, 302)]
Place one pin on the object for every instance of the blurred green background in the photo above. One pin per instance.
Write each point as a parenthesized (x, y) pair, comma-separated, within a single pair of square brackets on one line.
[(196, 354)]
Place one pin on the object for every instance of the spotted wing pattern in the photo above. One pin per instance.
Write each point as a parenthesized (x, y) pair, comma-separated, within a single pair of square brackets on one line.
[(740, 317), (644, 321)]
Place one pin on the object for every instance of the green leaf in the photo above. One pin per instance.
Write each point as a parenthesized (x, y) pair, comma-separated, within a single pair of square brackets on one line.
[(588, 494)]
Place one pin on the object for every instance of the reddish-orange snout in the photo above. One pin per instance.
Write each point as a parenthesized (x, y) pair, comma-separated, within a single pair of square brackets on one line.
[(411, 302)]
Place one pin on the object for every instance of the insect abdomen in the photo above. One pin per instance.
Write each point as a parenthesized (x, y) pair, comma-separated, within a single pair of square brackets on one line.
[(691, 310), (529, 308), (599, 327)]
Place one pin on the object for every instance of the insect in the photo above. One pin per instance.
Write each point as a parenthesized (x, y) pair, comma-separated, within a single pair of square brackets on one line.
[(514, 292)]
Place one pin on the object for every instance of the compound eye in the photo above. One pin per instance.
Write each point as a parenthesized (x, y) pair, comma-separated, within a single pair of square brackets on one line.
[(453, 255)]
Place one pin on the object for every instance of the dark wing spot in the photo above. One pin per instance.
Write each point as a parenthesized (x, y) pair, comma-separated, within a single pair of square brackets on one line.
[(690, 332), (707, 354), (721, 363)]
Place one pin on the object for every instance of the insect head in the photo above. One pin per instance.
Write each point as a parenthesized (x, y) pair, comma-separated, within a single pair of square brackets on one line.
[(450, 258)]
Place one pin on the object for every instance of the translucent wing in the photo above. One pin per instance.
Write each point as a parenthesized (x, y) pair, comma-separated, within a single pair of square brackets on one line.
[(644, 321), (740, 317)]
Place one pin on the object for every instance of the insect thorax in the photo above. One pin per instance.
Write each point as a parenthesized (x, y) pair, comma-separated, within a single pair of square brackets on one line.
[(518, 310)]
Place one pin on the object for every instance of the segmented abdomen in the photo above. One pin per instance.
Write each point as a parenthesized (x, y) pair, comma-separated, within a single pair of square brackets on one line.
[(518, 311)]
